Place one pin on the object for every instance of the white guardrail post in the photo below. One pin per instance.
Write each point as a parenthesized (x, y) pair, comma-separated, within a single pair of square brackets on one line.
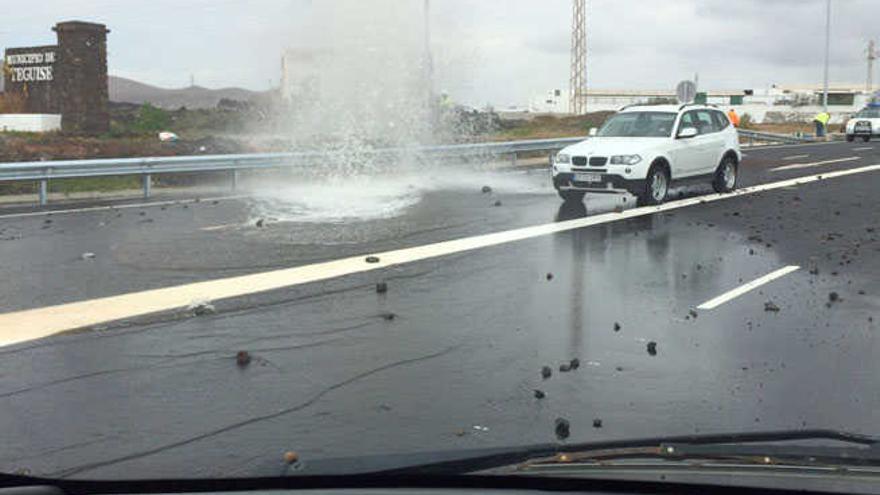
[(44, 192), (148, 185)]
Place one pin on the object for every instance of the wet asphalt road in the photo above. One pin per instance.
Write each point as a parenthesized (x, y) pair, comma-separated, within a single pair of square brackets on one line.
[(457, 367)]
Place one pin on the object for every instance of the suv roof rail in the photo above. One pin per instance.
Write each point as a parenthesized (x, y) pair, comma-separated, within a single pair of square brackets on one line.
[(691, 105)]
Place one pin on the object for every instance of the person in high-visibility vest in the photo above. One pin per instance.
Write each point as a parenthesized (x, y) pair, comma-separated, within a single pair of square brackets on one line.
[(734, 118), (821, 120)]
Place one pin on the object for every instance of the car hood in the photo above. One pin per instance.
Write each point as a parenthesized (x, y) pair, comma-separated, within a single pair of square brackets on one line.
[(610, 146)]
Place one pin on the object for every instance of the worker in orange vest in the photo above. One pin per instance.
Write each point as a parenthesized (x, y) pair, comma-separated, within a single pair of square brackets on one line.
[(734, 118)]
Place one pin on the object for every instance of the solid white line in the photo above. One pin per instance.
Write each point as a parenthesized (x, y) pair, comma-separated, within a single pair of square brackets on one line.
[(120, 207), (745, 288), (33, 324), (815, 164), (796, 157), (866, 148)]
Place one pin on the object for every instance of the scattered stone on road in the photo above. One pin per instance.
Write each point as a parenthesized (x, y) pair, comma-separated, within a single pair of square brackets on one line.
[(770, 306), (563, 428), (693, 314), (372, 259), (389, 316), (88, 256), (617, 327), (833, 297), (546, 372), (539, 394), (486, 189), (291, 457), (260, 223), (652, 348), (498, 203), (597, 423), (382, 287), (575, 363), (242, 359), (549, 277), (564, 368)]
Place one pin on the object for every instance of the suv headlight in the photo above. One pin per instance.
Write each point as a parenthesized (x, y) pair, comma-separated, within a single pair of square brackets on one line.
[(563, 159), (625, 159)]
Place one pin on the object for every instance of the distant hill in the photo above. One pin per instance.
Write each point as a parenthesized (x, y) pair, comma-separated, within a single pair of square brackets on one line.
[(124, 90)]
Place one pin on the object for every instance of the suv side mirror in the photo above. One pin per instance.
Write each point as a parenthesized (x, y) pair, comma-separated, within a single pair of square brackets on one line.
[(593, 131), (687, 132)]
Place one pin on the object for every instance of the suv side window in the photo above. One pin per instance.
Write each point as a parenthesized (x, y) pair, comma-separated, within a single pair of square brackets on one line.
[(705, 123), (689, 119), (721, 121)]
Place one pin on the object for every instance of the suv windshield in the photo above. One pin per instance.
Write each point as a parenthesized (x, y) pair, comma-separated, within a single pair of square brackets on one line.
[(639, 124)]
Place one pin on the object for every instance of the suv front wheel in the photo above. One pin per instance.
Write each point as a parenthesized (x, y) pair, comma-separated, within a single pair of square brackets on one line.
[(656, 187)]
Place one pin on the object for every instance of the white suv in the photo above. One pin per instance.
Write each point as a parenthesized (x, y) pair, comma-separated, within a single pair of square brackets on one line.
[(864, 124), (644, 149)]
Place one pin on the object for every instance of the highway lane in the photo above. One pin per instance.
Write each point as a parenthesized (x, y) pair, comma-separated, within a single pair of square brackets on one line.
[(169, 244), (333, 376)]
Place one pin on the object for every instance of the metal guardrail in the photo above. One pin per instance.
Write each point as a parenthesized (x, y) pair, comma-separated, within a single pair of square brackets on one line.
[(145, 167), (753, 136)]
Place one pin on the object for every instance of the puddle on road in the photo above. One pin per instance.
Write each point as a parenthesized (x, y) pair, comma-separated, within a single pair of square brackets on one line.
[(346, 200)]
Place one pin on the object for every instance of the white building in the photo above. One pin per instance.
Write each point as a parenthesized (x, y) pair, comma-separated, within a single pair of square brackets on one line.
[(776, 103)]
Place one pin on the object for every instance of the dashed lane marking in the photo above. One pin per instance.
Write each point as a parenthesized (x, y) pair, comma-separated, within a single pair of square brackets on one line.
[(815, 164), (748, 287)]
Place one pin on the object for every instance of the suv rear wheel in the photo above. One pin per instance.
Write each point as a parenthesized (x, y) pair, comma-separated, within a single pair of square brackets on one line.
[(726, 175), (656, 186)]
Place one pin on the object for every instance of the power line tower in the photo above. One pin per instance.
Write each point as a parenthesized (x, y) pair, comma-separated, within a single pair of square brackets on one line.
[(873, 54), (577, 101)]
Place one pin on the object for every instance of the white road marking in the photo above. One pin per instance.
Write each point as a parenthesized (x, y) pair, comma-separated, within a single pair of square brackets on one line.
[(220, 227), (121, 207), (866, 148), (33, 324), (796, 157), (799, 145), (815, 164), (745, 288)]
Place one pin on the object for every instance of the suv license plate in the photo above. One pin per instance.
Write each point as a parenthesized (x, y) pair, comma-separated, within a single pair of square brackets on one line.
[(588, 177)]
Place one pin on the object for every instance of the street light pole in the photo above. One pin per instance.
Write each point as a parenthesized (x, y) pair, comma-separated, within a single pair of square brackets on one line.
[(429, 58), (827, 54)]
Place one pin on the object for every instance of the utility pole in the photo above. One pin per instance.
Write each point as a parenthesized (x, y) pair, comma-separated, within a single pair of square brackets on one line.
[(827, 54), (578, 82), (872, 56), (429, 58)]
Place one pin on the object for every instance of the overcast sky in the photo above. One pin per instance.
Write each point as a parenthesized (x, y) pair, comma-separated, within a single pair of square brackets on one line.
[(488, 51)]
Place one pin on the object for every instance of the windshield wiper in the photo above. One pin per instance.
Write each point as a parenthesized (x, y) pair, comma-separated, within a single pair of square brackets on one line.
[(756, 447)]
